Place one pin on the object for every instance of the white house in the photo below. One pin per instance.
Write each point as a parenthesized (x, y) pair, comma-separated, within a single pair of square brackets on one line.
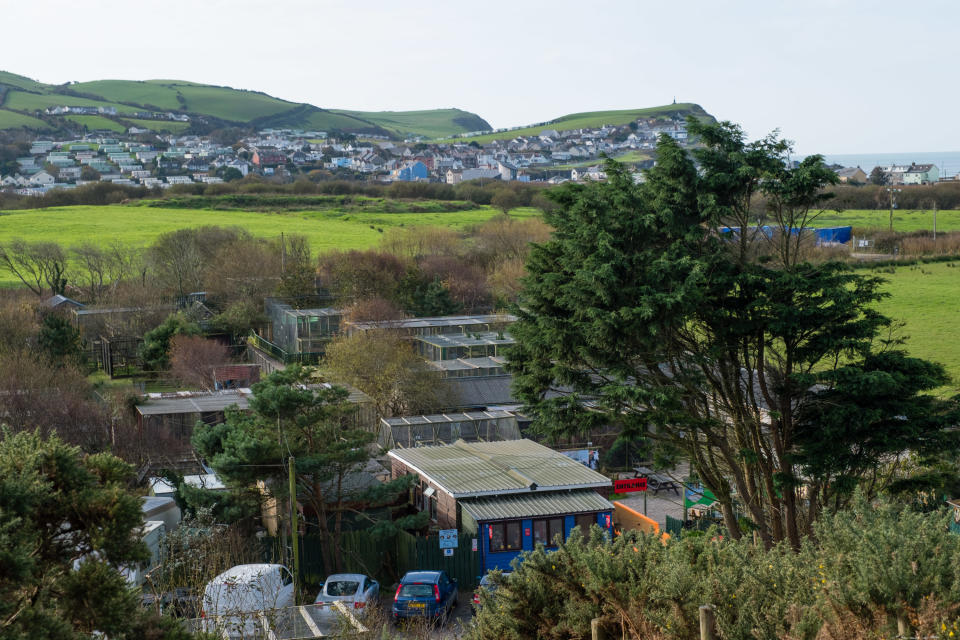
[(42, 179)]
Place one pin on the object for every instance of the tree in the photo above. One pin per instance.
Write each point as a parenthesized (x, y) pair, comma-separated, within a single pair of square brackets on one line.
[(636, 313), (383, 365), (68, 522), (193, 360), (89, 174), (505, 199), (298, 275), (36, 264), (155, 350), (879, 177), (59, 339), (294, 414)]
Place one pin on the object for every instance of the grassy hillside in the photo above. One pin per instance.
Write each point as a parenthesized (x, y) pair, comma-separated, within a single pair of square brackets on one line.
[(95, 123), (435, 123), (11, 120), (593, 119), (222, 105)]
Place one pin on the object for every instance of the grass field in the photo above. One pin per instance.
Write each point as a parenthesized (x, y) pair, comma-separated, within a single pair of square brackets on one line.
[(11, 120), (131, 91), (23, 82), (138, 226), (587, 120), (435, 123), (173, 126), (94, 123), (23, 101), (231, 104), (926, 298), (903, 219)]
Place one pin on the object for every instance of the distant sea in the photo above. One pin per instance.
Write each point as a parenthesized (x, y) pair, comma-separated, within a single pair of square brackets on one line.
[(948, 161)]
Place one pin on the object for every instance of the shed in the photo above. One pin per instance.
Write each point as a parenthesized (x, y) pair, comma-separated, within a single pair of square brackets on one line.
[(509, 495)]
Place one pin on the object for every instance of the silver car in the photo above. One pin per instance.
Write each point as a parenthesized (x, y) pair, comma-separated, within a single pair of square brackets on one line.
[(355, 590)]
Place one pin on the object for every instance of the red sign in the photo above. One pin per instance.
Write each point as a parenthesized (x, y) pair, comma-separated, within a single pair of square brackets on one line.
[(607, 517), (526, 532), (629, 485)]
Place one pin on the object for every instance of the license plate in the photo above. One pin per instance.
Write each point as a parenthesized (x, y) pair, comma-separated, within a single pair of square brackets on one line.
[(417, 605)]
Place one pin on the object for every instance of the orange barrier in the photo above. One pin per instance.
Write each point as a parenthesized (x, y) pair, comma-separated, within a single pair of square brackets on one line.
[(627, 518)]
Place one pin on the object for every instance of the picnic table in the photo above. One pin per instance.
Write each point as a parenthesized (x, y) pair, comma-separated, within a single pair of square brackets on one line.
[(656, 481)]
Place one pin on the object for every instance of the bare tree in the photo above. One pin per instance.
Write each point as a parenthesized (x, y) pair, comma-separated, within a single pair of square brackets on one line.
[(193, 360), (36, 264)]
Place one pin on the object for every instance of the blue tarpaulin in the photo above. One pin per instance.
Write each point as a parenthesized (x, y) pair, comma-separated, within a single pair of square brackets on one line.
[(829, 235)]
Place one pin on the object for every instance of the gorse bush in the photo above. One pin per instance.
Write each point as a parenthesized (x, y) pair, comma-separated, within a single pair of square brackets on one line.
[(866, 567)]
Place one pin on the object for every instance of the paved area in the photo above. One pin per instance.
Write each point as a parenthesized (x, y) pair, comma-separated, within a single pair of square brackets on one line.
[(658, 506)]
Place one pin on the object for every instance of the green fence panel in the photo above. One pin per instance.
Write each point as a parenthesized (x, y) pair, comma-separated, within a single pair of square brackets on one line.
[(464, 564)]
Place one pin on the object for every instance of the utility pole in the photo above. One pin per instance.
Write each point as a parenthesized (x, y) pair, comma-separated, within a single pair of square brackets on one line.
[(893, 203), (291, 472), (934, 220)]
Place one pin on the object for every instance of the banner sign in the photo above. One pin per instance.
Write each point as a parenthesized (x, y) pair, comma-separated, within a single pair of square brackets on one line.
[(629, 485)]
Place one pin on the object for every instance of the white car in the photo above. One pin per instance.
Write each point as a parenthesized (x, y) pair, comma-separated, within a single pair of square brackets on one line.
[(240, 599), (355, 590)]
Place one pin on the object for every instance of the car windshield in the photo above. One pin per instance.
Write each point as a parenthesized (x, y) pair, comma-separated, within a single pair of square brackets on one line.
[(416, 590), (342, 587)]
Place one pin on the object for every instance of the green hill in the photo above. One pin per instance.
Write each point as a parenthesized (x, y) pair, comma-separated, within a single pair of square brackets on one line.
[(23, 101), (594, 119)]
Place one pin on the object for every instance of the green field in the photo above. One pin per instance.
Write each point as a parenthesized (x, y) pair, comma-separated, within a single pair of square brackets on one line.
[(11, 120), (23, 101), (173, 126), (13, 80), (903, 219), (138, 226), (589, 120), (435, 123), (231, 104), (93, 123), (926, 298), (144, 93)]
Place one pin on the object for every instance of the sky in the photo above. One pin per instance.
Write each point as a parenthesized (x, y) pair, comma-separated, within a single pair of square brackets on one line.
[(835, 77)]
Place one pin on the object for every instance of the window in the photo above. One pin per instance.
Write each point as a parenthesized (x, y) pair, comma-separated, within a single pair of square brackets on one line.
[(505, 536), (285, 577), (544, 531), (584, 521)]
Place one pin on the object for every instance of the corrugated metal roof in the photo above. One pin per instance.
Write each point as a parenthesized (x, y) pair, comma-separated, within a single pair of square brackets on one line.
[(484, 468), (481, 392), (193, 403), (532, 505)]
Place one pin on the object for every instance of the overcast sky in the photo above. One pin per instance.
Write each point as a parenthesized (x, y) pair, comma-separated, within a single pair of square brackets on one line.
[(835, 77)]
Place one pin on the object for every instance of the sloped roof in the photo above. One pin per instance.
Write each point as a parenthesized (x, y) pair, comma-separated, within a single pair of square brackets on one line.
[(532, 505), (490, 468)]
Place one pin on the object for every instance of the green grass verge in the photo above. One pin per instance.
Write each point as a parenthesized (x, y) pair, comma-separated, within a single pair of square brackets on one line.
[(926, 298), (94, 123), (11, 120)]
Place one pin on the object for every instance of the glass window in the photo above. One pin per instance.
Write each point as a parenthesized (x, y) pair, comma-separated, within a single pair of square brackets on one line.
[(544, 531), (584, 520), (506, 536)]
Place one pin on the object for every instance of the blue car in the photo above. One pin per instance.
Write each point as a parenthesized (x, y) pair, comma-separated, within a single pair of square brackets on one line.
[(425, 594)]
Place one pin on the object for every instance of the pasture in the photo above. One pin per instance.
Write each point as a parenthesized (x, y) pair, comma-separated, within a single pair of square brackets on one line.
[(904, 220), (139, 226), (926, 298), (10, 120)]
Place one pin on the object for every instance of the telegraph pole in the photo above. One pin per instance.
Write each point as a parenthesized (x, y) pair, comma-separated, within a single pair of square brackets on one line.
[(291, 472), (893, 203)]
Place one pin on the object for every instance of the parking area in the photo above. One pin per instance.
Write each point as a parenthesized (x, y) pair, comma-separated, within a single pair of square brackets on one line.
[(455, 627)]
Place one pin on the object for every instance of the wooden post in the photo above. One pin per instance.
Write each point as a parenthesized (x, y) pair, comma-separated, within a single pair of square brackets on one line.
[(708, 623), (903, 627), (597, 632)]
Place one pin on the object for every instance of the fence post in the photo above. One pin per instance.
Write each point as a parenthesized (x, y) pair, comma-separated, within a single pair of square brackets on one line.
[(903, 626), (708, 627), (597, 632)]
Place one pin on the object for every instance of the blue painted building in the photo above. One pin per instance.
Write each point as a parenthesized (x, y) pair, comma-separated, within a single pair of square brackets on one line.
[(504, 497), (412, 172)]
